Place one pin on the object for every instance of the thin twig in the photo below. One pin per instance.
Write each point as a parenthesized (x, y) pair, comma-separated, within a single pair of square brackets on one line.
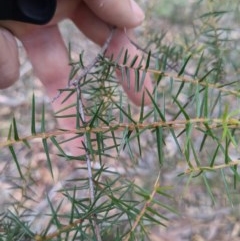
[(81, 113), (143, 211), (212, 124), (55, 234), (213, 168), (177, 78), (74, 82), (144, 50), (89, 168), (87, 69)]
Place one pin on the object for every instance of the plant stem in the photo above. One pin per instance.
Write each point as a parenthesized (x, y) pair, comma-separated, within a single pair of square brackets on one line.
[(88, 160)]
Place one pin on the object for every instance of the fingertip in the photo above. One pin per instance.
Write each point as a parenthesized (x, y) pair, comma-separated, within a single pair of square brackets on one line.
[(124, 13), (137, 11)]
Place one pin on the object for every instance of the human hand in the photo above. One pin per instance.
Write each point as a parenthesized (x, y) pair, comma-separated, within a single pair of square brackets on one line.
[(48, 54)]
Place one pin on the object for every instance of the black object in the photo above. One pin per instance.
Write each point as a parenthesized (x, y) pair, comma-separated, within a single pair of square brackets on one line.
[(29, 11)]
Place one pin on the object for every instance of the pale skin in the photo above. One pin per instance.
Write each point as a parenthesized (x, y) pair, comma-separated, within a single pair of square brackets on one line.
[(45, 47)]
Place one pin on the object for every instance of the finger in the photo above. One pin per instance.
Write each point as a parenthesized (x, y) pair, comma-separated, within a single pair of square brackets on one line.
[(120, 13), (48, 55), (98, 31), (9, 64)]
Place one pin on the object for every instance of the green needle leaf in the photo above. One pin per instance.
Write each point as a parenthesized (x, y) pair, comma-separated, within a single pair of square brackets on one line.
[(33, 128)]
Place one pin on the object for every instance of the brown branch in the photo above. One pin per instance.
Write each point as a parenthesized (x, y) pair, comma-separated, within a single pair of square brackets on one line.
[(87, 69), (175, 124), (215, 167), (143, 211), (144, 50), (55, 234), (74, 82), (195, 81), (185, 79), (88, 161)]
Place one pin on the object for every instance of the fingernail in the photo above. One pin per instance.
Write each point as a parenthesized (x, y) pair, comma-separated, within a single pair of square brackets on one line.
[(6, 34), (139, 14)]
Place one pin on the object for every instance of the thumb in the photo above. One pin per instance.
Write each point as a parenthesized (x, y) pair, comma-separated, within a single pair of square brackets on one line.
[(9, 63)]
